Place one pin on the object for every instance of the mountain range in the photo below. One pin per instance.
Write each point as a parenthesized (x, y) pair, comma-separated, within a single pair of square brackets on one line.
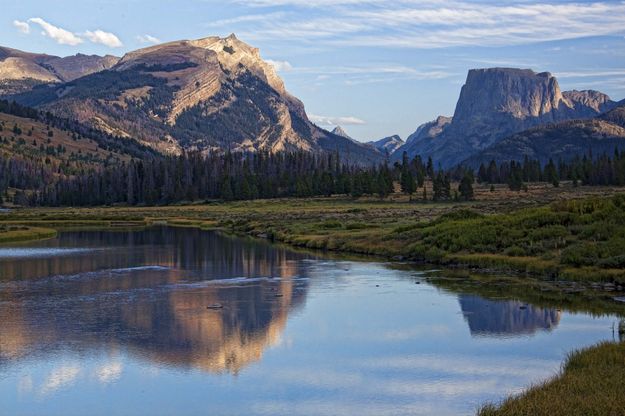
[(218, 94), (210, 94)]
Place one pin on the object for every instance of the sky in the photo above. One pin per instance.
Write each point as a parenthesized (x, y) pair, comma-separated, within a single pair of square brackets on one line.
[(377, 68)]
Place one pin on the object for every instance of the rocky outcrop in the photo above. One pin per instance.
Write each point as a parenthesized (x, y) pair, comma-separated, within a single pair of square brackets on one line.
[(497, 102), (211, 94)]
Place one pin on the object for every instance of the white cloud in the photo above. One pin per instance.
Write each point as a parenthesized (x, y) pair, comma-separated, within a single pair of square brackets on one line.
[(60, 35), (280, 66), (148, 39), (23, 27), (103, 38), (335, 121)]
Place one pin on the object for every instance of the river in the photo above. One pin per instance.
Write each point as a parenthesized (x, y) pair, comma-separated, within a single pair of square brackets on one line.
[(179, 321)]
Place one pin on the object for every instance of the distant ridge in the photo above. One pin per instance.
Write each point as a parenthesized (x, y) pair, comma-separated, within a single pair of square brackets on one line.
[(21, 71), (388, 145), (559, 141)]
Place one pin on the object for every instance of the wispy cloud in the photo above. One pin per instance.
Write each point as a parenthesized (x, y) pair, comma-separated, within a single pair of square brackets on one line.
[(148, 39), (23, 27), (434, 24), (246, 19), (591, 73), (104, 38), (60, 35), (329, 121), (374, 73)]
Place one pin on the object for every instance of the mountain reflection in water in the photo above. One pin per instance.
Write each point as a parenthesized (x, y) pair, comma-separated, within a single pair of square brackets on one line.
[(505, 317), (148, 292)]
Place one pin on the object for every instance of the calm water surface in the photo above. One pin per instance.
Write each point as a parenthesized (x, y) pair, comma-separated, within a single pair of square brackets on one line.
[(116, 323)]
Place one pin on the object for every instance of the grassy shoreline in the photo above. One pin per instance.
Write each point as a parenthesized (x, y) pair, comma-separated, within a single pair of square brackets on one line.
[(553, 236), (589, 384), (19, 234)]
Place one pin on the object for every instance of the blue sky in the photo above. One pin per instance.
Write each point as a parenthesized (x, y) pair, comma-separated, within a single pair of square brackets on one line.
[(375, 67)]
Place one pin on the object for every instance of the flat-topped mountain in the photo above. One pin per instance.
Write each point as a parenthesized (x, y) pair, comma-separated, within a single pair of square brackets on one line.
[(210, 94), (497, 102), (21, 71)]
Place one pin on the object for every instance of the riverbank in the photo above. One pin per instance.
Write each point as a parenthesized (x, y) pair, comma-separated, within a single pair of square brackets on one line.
[(590, 384), (558, 234)]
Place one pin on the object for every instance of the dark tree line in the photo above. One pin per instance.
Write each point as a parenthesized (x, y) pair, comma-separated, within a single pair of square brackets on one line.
[(230, 176), (233, 176), (585, 170)]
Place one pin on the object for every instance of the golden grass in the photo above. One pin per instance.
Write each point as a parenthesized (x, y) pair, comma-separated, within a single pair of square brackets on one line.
[(590, 384)]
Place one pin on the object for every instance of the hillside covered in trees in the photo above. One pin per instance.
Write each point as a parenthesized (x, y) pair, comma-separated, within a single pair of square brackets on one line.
[(50, 161)]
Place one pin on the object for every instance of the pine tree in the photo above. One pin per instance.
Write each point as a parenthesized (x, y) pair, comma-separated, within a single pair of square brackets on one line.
[(430, 168), (551, 174), (226, 189), (515, 177), (465, 188)]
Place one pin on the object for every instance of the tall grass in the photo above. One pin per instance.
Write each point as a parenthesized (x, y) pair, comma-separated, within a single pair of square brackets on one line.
[(591, 383)]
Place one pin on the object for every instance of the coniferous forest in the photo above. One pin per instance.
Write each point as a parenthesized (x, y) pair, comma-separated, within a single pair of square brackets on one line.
[(239, 176), (149, 178)]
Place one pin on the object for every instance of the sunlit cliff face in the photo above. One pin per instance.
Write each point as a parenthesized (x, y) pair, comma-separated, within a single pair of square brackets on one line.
[(103, 300)]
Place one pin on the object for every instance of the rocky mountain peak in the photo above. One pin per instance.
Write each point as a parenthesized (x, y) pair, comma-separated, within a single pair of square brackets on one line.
[(339, 131), (388, 144), (233, 52), (429, 130)]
